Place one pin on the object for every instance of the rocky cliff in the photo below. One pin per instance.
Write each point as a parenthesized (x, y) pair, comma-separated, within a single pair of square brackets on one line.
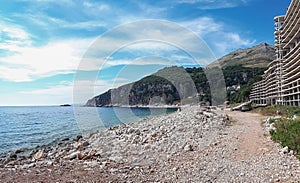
[(167, 86)]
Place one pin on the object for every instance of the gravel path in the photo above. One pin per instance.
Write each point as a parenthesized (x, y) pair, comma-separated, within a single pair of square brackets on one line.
[(193, 145)]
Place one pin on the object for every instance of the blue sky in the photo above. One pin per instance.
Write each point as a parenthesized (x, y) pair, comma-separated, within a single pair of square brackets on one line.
[(42, 42)]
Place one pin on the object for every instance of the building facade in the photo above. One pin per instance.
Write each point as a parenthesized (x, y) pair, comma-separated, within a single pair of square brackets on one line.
[(280, 83)]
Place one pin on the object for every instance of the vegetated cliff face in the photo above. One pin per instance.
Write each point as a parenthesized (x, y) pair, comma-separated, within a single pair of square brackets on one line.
[(168, 86), (174, 85)]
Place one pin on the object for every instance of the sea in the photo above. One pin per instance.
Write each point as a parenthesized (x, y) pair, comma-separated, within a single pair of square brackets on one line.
[(35, 126)]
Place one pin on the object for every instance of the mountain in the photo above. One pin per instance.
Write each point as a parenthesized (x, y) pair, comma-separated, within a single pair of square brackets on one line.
[(256, 56), (178, 85)]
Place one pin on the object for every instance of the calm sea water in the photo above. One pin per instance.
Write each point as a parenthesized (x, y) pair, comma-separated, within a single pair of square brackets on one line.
[(30, 127)]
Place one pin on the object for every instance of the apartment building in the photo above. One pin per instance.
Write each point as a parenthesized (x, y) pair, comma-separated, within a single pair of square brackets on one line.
[(281, 81)]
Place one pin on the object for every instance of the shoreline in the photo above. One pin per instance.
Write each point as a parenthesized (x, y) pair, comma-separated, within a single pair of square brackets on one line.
[(27, 150), (194, 144), (139, 106), (27, 154)]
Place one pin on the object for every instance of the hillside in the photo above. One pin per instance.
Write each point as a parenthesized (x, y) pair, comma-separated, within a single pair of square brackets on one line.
[(168, 86), (178, 85), (257, 56)]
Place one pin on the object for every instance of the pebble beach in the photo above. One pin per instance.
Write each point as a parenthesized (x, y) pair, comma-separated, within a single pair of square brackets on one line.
[(192, 145)]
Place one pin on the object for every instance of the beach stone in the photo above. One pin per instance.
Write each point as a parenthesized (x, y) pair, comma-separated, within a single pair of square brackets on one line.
[(154, 135), (137, 132), (188, 147), (91, 163), (285, 150), (80, 156), (27, 166), (72, 156), (85, 144), (78, 138), (92, 152), (117, 159), (130, 130), (38, 155), (19, 151), (65, 139), (13, 156)]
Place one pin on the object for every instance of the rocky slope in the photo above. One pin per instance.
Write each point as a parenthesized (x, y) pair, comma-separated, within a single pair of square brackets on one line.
[(257, 56)]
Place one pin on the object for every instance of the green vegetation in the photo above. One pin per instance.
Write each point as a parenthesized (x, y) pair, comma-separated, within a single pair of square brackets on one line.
[(285, 111), (243, 76), (234, 76), (243, 94), (240, 75), (287, 133), (175, 85), (152, 79)]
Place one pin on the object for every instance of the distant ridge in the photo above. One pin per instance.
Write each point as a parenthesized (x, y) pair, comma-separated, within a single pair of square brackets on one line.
[(256, 56)]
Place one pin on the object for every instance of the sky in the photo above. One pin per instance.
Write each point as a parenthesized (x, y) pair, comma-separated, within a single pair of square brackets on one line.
[(48, 45)]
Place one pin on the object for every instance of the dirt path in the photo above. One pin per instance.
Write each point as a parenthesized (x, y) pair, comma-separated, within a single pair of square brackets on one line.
[(252, 139)]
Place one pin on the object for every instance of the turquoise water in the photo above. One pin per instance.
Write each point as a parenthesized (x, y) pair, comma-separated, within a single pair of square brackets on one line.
[(31, 127)]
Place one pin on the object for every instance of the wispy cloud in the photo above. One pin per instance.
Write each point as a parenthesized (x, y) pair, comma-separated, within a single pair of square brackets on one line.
[(64, 56), (230, 41), (37, 62), (13, 36), (219, 37), (95, 7), (214, 4), (61, 2), (203, 25)]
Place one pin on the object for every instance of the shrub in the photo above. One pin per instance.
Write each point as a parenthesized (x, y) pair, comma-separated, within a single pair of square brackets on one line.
[(287, 134), (286, 111)]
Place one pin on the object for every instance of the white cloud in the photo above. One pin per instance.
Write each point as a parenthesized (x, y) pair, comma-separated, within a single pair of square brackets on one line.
[(12, 36), (231, 41), (235, 38), (60, 2), (96, 6), (49, 23), (36, 62), (14, 33), (203, 25), (87, 25), (221, 38), (63, 56), (15, 74), (214, 4)]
